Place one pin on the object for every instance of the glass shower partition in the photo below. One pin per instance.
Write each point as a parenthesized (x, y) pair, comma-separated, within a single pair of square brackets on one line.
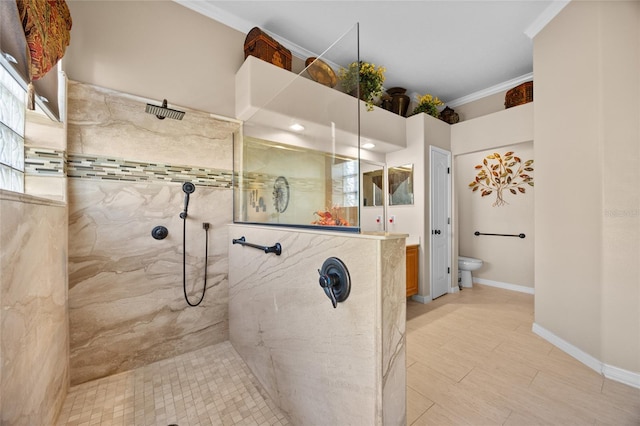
[(297, 156)]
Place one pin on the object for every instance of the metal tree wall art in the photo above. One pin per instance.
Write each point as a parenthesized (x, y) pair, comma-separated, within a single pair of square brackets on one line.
[(499, 173)]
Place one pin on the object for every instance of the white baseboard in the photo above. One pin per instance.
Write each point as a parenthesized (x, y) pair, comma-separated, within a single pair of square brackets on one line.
[(427, 299), (620, 375), (614, 373), (578, 354), (506, 286), (421, 299)]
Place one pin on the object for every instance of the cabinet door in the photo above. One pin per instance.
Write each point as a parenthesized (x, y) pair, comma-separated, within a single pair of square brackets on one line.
[(412, 270)]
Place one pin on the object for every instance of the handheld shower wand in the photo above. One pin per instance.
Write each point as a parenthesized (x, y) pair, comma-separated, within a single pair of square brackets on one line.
[(188, 188)]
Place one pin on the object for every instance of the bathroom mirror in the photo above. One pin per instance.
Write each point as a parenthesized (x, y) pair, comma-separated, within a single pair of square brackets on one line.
[(401, 185), (372, 188)]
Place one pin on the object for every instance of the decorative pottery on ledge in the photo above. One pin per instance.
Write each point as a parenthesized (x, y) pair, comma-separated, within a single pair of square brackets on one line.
[(321, 72), (448, 115), (399, 101)]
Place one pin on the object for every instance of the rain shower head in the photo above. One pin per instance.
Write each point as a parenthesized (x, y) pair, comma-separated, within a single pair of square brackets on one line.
[(162, 111)]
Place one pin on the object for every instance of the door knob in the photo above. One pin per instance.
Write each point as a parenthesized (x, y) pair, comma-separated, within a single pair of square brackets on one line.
[(437, 232)]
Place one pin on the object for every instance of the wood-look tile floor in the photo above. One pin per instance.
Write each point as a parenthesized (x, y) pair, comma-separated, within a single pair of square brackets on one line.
[(472, 359)]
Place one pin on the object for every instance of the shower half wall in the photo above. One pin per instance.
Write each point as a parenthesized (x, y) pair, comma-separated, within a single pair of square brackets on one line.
[(320, 365), (126, 169)]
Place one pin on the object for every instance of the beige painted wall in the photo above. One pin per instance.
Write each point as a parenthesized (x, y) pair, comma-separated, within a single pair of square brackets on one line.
[(155, 49), (422, 131), (501, 131), (507, 260), (587, 280), (484, 106), (502, 128), (621, 195)]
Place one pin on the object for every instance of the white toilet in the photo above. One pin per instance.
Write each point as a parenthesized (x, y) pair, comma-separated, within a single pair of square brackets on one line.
[(466, 265)]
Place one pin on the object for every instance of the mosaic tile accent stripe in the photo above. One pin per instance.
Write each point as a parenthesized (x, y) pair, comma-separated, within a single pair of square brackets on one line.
[(49, 162), (44, 161), (97, 167)]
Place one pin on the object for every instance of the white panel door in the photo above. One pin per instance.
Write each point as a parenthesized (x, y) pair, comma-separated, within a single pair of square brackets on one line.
[(440, 193)]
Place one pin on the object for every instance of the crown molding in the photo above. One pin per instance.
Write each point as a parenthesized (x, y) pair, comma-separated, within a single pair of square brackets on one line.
[(501, 87), (220, 15), (242, 25), (545, 17)]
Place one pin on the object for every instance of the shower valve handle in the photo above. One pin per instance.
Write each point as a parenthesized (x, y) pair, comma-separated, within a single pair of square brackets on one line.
[(327, 282), (335, 280)]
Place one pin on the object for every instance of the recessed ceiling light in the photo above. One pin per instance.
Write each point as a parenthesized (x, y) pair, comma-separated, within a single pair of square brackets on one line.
[(368, 145), (296, 127)]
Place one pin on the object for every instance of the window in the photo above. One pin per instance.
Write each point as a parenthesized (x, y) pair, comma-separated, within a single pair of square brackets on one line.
[(12, 116), (345, 184)]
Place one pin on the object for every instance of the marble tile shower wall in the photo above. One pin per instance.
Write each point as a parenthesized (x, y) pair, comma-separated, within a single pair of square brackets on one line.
[(34, 349), (126, 167)]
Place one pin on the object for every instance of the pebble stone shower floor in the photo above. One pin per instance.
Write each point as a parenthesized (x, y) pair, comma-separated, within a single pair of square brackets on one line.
[(210, 386)]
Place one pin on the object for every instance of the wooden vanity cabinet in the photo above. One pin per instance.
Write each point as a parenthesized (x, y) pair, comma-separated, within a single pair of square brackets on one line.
[(412, 270)]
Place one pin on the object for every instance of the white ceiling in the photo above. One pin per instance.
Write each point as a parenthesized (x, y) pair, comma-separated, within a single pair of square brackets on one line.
[(456, 50)]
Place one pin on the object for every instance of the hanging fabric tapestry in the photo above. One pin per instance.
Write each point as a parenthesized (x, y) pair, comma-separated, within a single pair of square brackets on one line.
[(47, 26)]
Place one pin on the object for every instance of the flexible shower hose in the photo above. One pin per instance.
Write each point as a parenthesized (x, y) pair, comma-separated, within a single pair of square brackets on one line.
[(184, 261)]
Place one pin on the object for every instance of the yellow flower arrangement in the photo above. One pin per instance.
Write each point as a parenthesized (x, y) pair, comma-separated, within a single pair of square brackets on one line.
[(365, 75), (428, 103)]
